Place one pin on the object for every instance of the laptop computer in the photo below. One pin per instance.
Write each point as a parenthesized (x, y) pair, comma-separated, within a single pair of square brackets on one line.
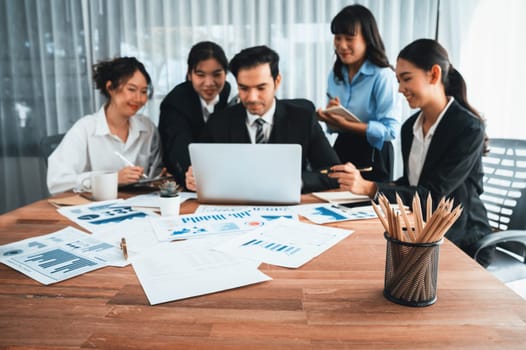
[(247, 173)]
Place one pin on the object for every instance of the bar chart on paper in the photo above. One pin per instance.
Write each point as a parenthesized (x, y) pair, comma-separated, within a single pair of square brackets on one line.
[(195, 219), (53, 265), (58, 261), (284, 243), (272, 246)]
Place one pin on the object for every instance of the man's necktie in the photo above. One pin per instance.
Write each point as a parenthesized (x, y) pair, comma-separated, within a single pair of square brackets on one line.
[(260, 136)]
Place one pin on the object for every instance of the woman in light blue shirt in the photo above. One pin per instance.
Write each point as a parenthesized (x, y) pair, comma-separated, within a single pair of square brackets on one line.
[(363, 81)]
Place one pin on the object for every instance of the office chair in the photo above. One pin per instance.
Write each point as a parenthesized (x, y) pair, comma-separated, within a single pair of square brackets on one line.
[(48, 145), (505, 200)]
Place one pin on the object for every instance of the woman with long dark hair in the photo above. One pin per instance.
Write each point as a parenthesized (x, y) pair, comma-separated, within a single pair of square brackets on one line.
[(363, 82), (442, 144)]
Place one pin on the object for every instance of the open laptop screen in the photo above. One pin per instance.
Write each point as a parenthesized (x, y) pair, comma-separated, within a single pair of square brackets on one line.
[(247, 173)]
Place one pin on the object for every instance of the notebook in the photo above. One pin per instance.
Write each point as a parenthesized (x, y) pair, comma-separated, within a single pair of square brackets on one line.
[(342, 197), (342, 111), (247, 173)]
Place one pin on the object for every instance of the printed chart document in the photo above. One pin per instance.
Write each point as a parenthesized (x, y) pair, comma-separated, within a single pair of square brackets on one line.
[(187, 269), (266, 212), (58, 256), (323, 213), (284, 243), (202, 225), (98, 215)]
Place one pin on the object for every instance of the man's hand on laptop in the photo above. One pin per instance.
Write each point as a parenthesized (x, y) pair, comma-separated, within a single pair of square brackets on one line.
[(190, 180)]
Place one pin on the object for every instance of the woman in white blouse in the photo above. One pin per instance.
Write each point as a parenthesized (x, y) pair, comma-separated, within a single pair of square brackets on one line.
[(93, 142)]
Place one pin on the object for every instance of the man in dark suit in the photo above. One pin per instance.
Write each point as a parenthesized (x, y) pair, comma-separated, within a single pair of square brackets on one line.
[(261, 118), (185, 109)]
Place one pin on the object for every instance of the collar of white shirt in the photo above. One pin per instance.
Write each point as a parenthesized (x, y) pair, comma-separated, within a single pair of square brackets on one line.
[(268, 117), (101, 128), (209, 107), (417, 127)]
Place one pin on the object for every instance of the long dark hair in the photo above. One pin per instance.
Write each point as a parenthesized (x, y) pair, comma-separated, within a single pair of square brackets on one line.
[(203, 51), (346, 22), (424, 54), (118, 70)]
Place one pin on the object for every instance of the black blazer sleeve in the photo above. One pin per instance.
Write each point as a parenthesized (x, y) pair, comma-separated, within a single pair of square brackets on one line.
[(452, 169), (181, 123), (295, 122)]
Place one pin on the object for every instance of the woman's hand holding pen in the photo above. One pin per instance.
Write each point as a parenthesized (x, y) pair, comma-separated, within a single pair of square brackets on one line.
[(350, 179), (337, 122), (333, 101), (130, 174), (325, 117)]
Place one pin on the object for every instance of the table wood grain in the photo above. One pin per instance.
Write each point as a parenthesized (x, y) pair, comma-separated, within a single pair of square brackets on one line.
[(333, 302)]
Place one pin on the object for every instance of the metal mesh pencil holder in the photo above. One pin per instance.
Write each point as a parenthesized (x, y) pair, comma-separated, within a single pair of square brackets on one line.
[(411, 271)]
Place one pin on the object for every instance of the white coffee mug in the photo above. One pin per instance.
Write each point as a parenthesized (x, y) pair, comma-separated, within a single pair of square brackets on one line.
[(103, 185), (169, 205)]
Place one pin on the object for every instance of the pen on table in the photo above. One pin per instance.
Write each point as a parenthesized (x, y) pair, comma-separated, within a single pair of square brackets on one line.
[(125, 160), (362, 170), (124, 248)]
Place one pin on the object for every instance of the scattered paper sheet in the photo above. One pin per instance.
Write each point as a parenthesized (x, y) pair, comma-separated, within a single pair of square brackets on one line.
[(266, 212), (58, 256), (187, 269), (97, 215), (284, 243), (203, 225), (139, 236), (323, 213)]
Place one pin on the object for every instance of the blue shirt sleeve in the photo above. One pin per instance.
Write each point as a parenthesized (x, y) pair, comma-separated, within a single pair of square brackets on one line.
[(386, 124)]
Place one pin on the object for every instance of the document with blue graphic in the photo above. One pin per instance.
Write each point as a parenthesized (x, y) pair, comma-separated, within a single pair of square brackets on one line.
[(323, 213), (266, 212), (202, 225), (284, 243), (99, 215), (58, 256)]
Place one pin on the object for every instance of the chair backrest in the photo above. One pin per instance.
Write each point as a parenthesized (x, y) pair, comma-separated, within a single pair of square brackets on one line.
[(505, 184), (48, 145)]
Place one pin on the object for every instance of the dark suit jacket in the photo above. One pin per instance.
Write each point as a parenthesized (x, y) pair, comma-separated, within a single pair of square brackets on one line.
[(294, 122), (180, 123), (452, 169)]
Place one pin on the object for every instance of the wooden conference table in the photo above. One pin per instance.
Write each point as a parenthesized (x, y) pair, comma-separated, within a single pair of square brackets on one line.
[(333, 302)]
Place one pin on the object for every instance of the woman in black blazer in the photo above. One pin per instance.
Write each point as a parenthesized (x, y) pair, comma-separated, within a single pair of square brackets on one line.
[(186, 108), (442, 144)]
